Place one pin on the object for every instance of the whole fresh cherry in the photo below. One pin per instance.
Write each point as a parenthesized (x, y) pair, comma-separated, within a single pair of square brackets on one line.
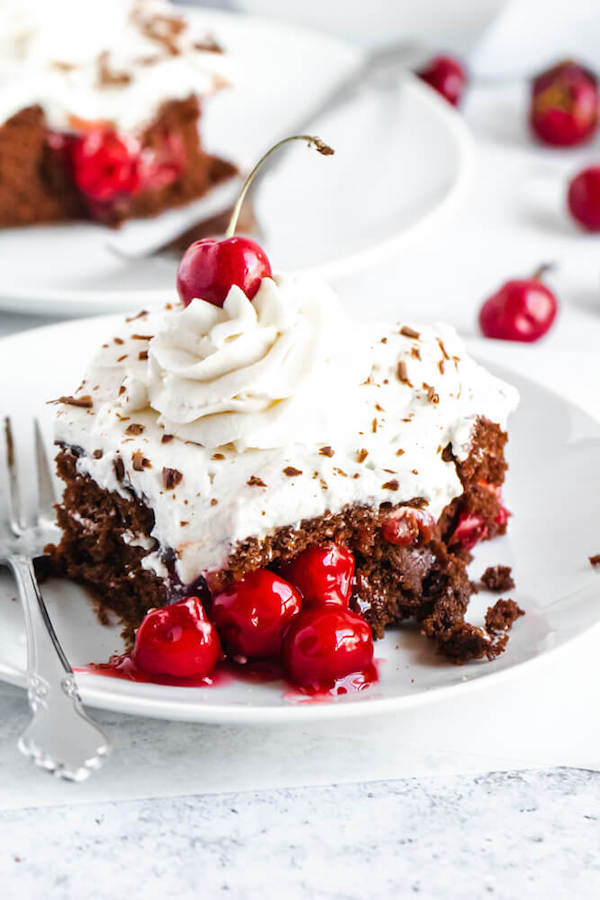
[(583, 198), (446, 75), (564, 105), (322, 574), (105, 165), (252, 614), (324, 644), (209, 268), (406, 525), (177, 640), (521, 310)]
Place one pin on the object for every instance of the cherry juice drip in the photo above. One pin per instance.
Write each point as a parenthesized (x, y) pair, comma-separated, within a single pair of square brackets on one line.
[(122, 666)]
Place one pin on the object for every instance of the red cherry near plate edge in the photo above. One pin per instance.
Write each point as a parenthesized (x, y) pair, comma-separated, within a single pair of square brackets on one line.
[(209, 268), (583, 198), (446, 75), (565, 104), (177, 640), (324, 644), (521, 310)]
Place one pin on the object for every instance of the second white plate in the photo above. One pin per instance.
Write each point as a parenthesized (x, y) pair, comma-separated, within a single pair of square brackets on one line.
[(402, 156)]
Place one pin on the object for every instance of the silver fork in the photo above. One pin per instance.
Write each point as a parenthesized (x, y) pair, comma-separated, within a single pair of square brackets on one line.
[(60, 737)]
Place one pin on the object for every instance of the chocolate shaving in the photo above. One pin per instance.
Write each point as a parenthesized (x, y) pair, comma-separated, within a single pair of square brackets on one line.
[(139, 461), (98, 454), (164, 30), (142, 313), (595, 560), (392, 485), (402, 373), (119, 468), (122, 389), (121, 358), (218, 456), (361, 455), (142, 337), (171, 478), (108, 77), (214, 501), (374, 426), (142, 355), (290, 471), (208, 45), (254, 481), (118, 340), (432, 395), (166, 438), (62, 66), (442, 348), (409, 332), (84, 402), (134, 428), (326, 451)]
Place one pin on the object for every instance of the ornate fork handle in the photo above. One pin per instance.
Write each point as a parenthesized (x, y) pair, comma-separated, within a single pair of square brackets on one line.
[(60, 736)]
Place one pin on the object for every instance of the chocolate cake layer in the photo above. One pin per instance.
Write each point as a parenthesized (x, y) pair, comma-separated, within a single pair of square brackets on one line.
[(106, 537)]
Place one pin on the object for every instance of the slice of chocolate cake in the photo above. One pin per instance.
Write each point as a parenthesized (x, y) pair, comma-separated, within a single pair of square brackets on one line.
[(100, 105), (206, 443)]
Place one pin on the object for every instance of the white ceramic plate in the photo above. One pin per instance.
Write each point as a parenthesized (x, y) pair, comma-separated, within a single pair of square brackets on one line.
[(553, 490), (402, 157)]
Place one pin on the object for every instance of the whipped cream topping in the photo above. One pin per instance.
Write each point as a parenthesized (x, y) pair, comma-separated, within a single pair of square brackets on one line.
[(113, 61), (232, 423), (248, 374)]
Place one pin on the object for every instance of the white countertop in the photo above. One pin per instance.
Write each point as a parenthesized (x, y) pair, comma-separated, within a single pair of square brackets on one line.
[(512, 835)]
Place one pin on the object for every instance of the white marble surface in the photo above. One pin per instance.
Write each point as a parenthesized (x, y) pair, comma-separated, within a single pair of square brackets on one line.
[(511, 836), (515, 835)]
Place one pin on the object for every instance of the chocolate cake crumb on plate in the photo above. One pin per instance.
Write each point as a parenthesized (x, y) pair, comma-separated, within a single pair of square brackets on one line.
[(502, 615), (498, 578)]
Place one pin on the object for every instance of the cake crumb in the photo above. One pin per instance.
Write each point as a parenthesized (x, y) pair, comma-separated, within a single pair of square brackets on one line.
[(501, 616), (498, 578)]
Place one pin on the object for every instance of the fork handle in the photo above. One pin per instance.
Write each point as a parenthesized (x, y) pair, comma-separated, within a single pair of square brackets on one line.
[(60, 737), (46, 661)]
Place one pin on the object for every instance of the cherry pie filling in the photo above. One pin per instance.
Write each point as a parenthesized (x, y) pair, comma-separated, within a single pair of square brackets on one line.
[(105, 166)]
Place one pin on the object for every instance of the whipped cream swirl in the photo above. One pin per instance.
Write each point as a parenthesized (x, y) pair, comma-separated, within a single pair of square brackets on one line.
[(248, 374)]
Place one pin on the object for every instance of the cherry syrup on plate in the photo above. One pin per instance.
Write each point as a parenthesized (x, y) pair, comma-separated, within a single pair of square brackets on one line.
[(123, 666)]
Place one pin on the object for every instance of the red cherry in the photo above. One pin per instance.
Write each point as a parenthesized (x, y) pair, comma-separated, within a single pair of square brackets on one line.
[(177, 640), (470, 530), (522, 310), (252, 614), (406, 525), (209, 268), (446, 75), (105, 165), (324, 644), (564, 105), (322, 574), (583, 198)]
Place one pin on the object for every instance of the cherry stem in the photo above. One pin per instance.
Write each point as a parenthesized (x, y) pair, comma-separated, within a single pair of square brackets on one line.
[(310, 139), (542, 270)]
